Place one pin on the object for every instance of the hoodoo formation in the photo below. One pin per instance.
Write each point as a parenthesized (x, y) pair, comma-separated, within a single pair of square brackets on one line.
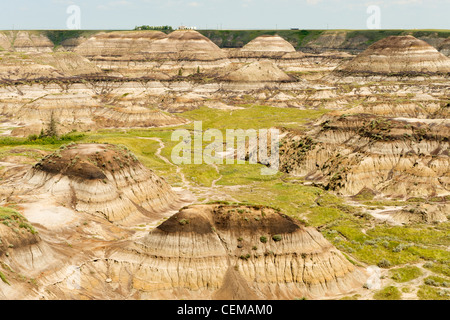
[(233, 252), (403, 55), (103, 180)]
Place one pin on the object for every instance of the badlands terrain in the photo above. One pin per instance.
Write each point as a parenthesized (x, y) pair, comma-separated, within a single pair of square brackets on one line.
[(93, 205)]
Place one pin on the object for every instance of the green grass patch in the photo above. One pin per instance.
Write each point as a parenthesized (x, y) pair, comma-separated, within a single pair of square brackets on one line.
[(35, 140), (442, 268), (405, 274), (426, 292), (388, 293), (252, 117), (12, 218), (3, 277)]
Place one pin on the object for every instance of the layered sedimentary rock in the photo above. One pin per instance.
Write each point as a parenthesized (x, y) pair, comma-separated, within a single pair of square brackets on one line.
[(404, 55), (118, 43), (284, 55), (45, 66), (19, 66), (267, 43), (152, 53), (393, 156), (104, 180), (80, 105), (25, 41), (257, 71), (230, 252), (68, 63)]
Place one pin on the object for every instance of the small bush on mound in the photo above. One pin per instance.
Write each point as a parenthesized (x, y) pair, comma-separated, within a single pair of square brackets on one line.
[(263, 239), (276, 238), (388, 293), (384, 264), (432, 293)]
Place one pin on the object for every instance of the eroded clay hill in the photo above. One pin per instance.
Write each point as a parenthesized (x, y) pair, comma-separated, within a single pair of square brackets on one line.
[(284, 55), (106, 181), (228, 252), (267, 43), (398, 55), (152, 54)]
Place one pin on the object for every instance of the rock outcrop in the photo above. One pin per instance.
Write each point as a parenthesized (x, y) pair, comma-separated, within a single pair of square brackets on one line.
[(152, 53), (398, 158), (421, 213), (103, 180)]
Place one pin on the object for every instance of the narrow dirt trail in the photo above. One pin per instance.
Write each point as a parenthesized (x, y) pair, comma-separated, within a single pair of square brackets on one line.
[(208, 193), (186, 183)]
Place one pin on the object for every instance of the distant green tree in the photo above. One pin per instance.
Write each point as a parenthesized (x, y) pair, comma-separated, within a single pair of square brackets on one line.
[(51, 130), (160, 28)]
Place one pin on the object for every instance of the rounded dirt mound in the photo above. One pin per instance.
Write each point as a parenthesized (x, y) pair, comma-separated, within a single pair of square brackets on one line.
[(269, 43), (399, 55), (236, 252), (104, 180)]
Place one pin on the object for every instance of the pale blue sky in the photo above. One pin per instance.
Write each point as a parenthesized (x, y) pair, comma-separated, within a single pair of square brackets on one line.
[(225, 14)]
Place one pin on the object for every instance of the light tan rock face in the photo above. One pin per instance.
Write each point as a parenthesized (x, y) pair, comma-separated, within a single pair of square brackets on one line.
[(118, 43), (260, 71), (25, 41), (68, 63), (230, 252), (394, 157), (20, 66), (104, 180), (269, 43), (398, 55), (187, 45)]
